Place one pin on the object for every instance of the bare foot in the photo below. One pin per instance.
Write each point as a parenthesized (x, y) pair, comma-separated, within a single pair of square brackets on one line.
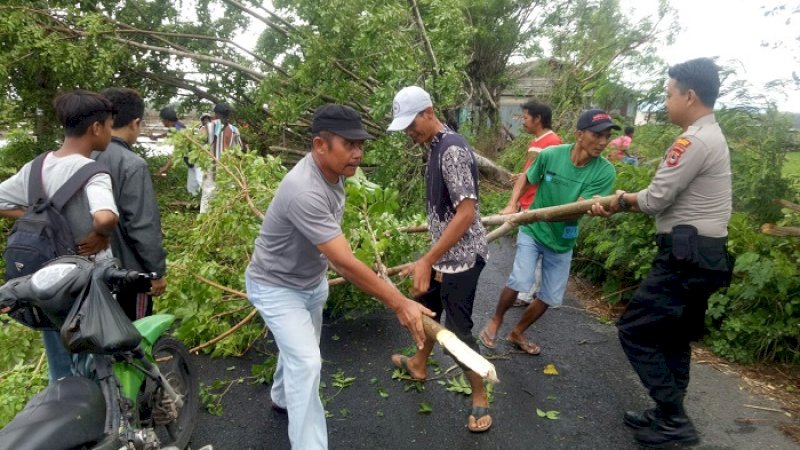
[(521, 343), (411, 366)]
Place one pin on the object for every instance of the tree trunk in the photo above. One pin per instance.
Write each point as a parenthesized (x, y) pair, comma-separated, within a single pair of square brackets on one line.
[(492, 171)]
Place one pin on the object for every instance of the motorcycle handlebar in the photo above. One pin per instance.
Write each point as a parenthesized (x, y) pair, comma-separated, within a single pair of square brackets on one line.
[(9, 294), (112, 275)]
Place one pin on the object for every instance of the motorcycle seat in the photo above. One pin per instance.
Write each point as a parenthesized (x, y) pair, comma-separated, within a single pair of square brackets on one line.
[(69, 413)]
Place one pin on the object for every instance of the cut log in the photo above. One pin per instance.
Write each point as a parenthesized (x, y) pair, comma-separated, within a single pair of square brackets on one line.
[(775, 230), (459, 350), (435, 331), (549, 214), (509, 222)]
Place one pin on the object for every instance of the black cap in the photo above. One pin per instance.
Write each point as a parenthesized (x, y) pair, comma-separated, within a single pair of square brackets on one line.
[(596, 120), (168, 113), (341, 120), (222, 109)]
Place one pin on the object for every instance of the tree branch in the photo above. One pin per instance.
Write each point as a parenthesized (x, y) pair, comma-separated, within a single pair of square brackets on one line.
[(263, 19), (279, 149), (787, 204), (424, 34), (182, 84), (207, 38)]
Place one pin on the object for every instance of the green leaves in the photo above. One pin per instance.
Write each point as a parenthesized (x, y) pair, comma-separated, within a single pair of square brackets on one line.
[(264, 372), (458, 385), (18, 383), (552, 415), (341, 381), (383, 393), (425, 408)]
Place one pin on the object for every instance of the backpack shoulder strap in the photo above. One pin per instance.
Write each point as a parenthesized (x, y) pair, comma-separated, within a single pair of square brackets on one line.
[(76, 182), (35, 181)]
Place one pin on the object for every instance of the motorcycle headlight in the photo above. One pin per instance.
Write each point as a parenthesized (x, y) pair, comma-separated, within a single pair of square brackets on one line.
[(49, 276)]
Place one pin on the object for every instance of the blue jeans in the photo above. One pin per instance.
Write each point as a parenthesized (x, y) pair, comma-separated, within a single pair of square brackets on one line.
[(295, 319), (59, 359), (555, 270)]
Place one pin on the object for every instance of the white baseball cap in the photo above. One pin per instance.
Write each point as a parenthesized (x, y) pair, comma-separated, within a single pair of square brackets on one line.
[(407, 104)]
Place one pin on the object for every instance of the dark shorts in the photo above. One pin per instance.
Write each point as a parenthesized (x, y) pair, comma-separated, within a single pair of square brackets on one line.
[(454, 296)]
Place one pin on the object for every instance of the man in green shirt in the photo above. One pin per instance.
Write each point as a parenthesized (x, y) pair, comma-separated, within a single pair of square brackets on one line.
[(565, 173)]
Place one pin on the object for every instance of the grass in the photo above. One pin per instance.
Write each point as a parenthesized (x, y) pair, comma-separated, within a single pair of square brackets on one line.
[(791, 168)]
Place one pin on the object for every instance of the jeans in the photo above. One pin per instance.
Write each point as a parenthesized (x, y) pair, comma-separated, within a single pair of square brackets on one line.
[(295, 319), (59, 359), (555, 270)]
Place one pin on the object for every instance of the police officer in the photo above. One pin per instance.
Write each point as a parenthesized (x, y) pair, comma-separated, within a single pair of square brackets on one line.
[(690, 197)]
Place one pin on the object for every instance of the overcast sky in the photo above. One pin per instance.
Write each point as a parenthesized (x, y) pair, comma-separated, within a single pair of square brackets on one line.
[(734, 31)]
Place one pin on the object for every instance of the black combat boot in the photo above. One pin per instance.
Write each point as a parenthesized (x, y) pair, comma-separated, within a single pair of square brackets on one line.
[(671, 429), (641, 419)]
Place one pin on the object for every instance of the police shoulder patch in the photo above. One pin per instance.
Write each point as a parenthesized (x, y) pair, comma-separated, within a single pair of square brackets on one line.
[(677, 150)]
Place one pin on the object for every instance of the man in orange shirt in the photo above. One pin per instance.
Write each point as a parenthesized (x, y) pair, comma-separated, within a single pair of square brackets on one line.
[(537, 119), (619, 147)]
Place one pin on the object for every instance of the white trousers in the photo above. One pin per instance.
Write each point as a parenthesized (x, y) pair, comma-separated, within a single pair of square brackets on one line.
[(295, 319), (207, 192), (194, 180)]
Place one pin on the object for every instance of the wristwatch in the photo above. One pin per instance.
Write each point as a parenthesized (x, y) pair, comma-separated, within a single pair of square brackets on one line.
[(623, 205)]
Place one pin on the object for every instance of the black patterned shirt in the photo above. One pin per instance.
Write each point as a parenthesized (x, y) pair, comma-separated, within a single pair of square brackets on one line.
[(451, 177)]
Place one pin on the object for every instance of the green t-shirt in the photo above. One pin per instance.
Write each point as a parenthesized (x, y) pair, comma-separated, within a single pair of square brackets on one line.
[(561, 182)]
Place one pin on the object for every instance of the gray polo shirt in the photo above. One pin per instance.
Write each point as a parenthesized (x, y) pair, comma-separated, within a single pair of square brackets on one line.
[(692, 185), (305, 212)]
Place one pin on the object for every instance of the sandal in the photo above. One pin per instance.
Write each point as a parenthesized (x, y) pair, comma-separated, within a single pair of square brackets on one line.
[(525, 346), (487, 339), (478, 413), (401, 362)]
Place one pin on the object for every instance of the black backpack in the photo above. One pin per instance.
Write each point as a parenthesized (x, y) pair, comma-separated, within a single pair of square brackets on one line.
[(43, 233)]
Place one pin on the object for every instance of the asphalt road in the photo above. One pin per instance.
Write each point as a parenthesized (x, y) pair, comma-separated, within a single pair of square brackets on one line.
[(595, 385)]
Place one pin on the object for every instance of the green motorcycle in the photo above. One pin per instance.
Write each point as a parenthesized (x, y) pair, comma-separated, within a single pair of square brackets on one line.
[(133, 386)]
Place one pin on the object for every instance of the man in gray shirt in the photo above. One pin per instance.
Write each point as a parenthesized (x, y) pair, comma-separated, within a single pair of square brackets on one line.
[(286, 276), (690, 197)]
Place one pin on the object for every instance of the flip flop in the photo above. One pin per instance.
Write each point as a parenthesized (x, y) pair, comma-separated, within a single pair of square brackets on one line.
[(487, 339), (479, 412), (525, 346), (403, 364)]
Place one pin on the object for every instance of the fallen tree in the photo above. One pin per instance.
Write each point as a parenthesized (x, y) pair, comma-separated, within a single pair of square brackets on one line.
[(782, 231)]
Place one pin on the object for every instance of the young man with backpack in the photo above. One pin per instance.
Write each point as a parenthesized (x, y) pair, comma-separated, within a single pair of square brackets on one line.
[(91, 214), (137, 240)]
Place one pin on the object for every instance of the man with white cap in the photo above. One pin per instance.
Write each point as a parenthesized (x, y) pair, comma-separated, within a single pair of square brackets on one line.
[(565, 173), (446, 277), (286, 276)]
